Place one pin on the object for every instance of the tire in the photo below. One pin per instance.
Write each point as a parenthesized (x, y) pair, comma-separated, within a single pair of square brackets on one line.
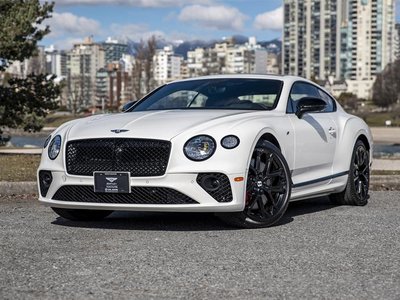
[(267, 191), (81, 214), (357, 187)]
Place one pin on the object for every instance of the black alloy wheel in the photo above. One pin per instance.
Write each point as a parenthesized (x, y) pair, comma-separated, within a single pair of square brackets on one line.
[(267, 191), (361, 171), (357, 188)]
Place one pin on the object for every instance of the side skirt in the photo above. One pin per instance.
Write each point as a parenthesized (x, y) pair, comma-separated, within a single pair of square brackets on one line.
[(301, 184)]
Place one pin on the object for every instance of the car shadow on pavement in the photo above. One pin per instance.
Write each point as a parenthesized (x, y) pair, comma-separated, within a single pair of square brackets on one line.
[(163, 221), (309, 206), (124, 220)]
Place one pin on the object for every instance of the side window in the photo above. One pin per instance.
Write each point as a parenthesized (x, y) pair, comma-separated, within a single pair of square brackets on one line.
[(301, 90), (330, 103)]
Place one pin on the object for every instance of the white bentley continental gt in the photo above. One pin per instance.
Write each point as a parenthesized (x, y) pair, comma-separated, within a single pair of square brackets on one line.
[(241, 146)]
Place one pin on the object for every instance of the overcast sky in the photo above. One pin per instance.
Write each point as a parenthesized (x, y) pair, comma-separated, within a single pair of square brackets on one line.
[(171, 19)]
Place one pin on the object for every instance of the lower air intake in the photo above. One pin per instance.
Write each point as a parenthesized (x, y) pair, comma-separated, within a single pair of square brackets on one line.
[(138, 195), (217, 185)]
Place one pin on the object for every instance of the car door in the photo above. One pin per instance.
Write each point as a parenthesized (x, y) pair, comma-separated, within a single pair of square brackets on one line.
[(315, 137)]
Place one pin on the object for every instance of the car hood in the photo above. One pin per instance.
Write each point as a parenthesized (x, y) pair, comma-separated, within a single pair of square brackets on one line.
[(151, 124)]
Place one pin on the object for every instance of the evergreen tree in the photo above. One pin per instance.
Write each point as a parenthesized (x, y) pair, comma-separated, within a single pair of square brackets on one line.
[(24, 102)]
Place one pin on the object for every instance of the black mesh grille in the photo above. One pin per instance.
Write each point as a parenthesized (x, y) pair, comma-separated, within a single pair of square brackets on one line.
[(138, 195), (140, 157), (221, 194)]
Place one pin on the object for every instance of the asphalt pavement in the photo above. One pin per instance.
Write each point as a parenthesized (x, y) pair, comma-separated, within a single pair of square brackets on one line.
[(318, 251)]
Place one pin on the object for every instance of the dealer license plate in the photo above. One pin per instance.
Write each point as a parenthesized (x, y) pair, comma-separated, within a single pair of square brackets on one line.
[(111, 182)]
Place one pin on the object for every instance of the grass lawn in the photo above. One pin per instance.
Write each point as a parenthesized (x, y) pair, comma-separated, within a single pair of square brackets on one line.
[(378, 119), (18, 167), (385, 172)]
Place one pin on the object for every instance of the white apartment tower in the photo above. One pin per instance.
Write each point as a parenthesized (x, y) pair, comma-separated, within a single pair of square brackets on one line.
[(368, 43), (167, 65), (84, 60), (350, 40), (56, 62)]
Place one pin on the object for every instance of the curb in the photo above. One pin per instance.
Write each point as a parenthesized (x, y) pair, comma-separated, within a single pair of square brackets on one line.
[(30, 187), (30, 151), (385, 182)]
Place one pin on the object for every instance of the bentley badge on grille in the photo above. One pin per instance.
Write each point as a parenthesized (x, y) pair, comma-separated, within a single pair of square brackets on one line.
[(119, 130)]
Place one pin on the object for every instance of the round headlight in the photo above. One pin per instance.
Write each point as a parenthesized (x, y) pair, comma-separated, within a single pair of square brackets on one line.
[(199, 148), (55, 147), (230, 142), (46, 142)]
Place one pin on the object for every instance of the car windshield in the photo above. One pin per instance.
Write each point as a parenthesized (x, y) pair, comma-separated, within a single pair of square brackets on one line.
[(227, 93)]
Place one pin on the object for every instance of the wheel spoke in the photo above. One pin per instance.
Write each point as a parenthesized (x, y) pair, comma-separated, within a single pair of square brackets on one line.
[(366, 168), (258, 162), (252, 201), (365, 190), (277, 173), (269, 164), (278, 189), (253, 170), (261, 207), (365, 158), (364, 176), (272, 199), (360, 157), (359, 184), (356, 159)]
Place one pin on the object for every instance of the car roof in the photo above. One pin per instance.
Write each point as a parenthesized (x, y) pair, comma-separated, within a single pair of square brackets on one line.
[(286, 78)]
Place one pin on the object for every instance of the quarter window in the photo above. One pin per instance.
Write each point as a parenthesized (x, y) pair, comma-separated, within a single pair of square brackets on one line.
[(330, 106)]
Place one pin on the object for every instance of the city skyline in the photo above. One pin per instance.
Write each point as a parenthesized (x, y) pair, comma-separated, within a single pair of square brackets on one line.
[(343, 45), (168, 19)]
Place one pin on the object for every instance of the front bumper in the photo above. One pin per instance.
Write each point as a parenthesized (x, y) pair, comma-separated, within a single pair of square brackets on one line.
[(185, 183)]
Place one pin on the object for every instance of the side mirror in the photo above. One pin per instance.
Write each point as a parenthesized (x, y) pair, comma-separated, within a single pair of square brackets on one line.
[(128, 105), (309, 104)]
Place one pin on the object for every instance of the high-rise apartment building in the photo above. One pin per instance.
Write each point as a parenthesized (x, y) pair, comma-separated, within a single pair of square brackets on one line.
[(56, 62), (83, 62), (368, 43), (113, 50), (311, 38), (167, 65), (350, 40), (397, 41)]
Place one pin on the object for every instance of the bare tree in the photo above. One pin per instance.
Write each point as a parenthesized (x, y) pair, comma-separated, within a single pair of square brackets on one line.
[(349, 100), (143, 69), (386, 89), (137, 72), (75, 92)]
